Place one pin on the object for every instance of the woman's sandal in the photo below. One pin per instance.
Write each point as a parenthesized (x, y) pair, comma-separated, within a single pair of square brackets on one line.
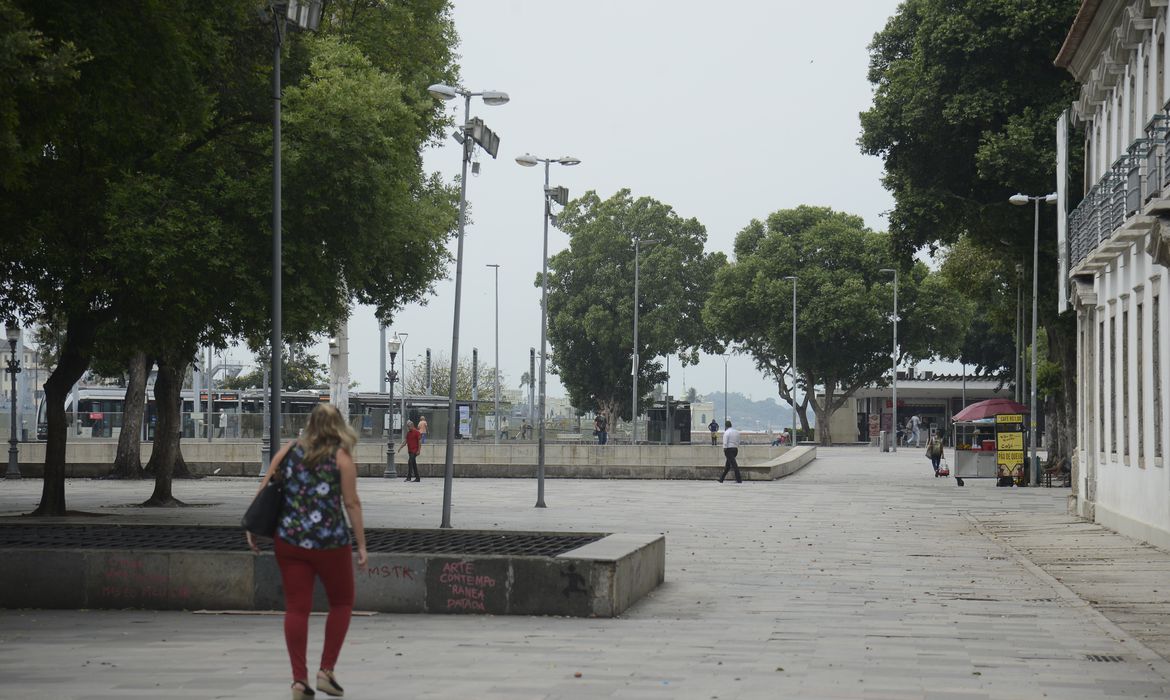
[(302, 691), (327, 684)]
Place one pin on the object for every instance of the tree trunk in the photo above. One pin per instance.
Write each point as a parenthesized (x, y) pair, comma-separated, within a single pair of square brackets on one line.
[(822, 413), (74, 360), (802, 412), (128, 461), (168, 400)]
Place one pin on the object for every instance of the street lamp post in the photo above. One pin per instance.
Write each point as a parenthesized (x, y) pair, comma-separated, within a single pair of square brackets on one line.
[(472, 132), (1021, 200), (561, 196), (13, 333), (392, 347), (726, 357), (402, 402), (638, 243), (894, 359), (496, 380), (793, 278), (305, 14)]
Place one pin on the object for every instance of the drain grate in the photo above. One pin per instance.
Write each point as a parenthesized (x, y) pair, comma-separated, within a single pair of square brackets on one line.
[(1105, 658), (163, 537)]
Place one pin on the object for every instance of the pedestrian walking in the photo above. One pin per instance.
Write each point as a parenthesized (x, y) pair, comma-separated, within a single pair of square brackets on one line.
[(915, 425), (601, 429), (934, 451), (422, 429), (730, 450), (312, 540), (413, 445), (713, 426)]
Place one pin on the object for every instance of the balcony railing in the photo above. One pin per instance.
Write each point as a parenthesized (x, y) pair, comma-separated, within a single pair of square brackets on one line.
[(1136, 182)]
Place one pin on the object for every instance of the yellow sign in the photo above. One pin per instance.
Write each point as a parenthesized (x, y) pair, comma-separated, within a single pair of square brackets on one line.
[(1009, 441), (1009, 418)]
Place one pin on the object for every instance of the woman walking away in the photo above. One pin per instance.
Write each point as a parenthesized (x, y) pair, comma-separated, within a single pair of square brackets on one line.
[(934, 450), (312, 539)]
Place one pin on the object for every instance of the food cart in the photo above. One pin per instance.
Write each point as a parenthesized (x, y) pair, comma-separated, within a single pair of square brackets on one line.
[(989, 442)]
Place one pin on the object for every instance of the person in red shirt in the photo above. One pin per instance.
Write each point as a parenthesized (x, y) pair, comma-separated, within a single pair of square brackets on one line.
[(413, 445)]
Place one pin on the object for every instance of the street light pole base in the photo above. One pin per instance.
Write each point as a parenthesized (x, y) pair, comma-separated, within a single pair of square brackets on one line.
[(13, 462), (391, 471)]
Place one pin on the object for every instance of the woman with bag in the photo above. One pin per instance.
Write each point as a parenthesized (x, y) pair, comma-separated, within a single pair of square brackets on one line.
[(934, 450), (312, 539)]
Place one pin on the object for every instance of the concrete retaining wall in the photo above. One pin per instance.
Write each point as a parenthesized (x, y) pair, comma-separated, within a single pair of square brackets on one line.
[(510, 460), (601, 579)]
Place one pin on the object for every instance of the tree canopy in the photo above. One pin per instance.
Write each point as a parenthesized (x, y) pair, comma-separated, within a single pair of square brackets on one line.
[(144, 204), (844, 305), (591, 297)]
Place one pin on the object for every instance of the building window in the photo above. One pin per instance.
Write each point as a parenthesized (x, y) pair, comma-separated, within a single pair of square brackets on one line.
[(1125, 382), (1156, 369), (1113, 384), (1141, 414)]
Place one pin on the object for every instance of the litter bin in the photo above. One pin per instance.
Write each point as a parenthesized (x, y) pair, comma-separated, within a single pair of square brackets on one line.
[(884, 441)]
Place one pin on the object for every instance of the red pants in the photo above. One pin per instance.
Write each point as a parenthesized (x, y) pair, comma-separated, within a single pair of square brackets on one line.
[(299, 568)]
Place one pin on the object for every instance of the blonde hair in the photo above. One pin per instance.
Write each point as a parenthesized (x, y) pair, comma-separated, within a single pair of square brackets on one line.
[(326, 432)]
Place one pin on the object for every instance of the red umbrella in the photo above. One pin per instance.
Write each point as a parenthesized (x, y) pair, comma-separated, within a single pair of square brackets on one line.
[(989, 408)]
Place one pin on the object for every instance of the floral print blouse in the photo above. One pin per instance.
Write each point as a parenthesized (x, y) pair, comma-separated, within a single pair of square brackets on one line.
[(312, 517)]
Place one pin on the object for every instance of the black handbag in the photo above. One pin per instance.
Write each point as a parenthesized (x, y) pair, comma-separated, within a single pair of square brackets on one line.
[(263, 514)]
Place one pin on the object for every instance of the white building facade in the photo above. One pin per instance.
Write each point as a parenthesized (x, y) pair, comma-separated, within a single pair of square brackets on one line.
[(1114, 254)]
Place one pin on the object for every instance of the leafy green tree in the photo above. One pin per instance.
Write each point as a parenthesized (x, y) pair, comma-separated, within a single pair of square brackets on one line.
[(161, 149), (844, 303), (966, 98), (591, 297), (299, 369), (416, 382)]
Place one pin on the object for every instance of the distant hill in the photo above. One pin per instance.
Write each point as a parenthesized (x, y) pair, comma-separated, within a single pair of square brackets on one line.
[(746, 414)]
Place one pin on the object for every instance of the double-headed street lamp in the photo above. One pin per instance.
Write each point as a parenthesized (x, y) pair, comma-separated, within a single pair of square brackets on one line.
[(1021, 200), (473, 132), (392, 347), (793, 364), (894, 358), (305, 14), (560, 195), (13, 333), (634, 374), (496, 380)]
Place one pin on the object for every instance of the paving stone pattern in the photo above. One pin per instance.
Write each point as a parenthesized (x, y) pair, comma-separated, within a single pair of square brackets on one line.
[(862, 576)]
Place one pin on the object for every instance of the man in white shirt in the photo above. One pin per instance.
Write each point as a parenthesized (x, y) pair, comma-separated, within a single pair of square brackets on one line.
[(915, 426), (730, 450)]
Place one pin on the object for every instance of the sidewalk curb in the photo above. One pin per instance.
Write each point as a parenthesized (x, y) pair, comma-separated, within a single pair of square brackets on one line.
[(1135, 647)]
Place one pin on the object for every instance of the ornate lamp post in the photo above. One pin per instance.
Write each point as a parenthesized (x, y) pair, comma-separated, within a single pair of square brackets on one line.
[(392, 346), (13, 369)]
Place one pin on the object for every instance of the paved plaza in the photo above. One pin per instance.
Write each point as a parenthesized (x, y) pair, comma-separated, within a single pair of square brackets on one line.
[(861, 576)]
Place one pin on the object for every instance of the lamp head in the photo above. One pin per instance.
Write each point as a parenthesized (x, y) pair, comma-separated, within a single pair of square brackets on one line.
[(442, 92), (495, 98), (528, 160), (888, 269), (647, 242), (12, 331), (569, 160), (393, 345), (791, 277), (1050, 198), (1018, 199)]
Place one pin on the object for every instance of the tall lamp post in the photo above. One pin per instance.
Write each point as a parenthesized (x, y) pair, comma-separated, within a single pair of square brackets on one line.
[(1021, 200), (894, 358), (561, 196), (13, 333), (305, 14), (472, 132), (793, 279), (638, 243), (392, 347), (402, 402), (726, 357), (496, 379)]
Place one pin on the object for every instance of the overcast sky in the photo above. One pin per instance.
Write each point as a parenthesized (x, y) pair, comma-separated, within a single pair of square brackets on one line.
[(725, 111)]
